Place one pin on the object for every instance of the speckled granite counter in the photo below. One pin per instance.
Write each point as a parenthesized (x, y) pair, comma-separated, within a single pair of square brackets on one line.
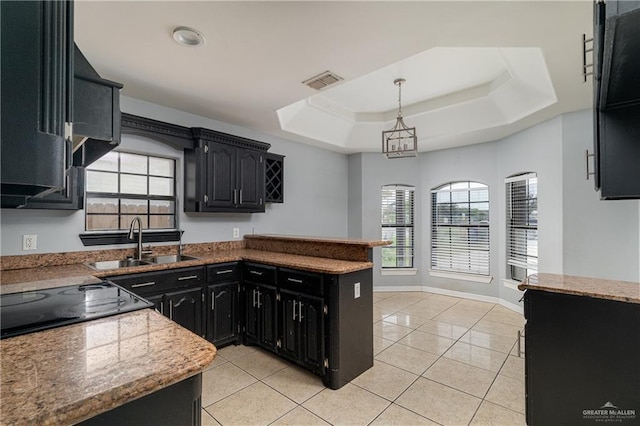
[(66, 375), (55, 276), (623, 291)]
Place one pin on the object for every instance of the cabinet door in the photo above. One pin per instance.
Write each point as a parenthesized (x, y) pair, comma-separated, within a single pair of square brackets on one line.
[(221, 314), (250, 180), (311, 316), (221, 176), (251, 313), (37, 89), (267, 306), (289, 325), (185, 308)]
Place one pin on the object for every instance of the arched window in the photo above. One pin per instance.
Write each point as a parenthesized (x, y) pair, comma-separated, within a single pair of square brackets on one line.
[(522, 225), (460, 228), (397, 225)]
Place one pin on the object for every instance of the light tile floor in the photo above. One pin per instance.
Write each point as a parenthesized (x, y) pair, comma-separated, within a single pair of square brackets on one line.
[(438, 360)]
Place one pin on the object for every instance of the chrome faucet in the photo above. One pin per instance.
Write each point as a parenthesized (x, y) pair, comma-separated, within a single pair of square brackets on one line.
[(136, 219)]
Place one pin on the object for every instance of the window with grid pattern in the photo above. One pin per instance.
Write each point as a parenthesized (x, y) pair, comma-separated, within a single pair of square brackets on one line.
[(397, 225), (522, 225), (121, 185), (460, 228)]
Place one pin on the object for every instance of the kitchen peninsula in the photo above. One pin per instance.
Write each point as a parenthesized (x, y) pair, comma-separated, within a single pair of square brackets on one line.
[(138, 353), (582, 346)]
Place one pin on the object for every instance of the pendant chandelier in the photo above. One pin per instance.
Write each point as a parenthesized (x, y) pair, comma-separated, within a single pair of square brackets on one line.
[(400, 141)]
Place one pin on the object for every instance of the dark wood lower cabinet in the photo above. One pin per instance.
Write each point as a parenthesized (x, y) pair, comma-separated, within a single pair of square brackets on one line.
[(261, 315), (178, 404), (221, 314), (319, 321), (582, 360), (302, 329), (185, 308)]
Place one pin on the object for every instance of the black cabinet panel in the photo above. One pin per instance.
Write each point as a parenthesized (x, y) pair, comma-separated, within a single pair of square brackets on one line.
[(70, 198), (261, 320), (185, 308), (37, 88), (581, 354), (224, 173), (274, 178), (222, 313)]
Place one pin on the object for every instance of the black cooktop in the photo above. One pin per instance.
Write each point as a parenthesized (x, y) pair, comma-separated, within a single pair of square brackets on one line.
[(30, 311)]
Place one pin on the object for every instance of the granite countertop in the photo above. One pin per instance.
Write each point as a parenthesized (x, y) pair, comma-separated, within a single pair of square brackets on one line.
[(333, 240), (68, 374), (17, 280), (622, 291)]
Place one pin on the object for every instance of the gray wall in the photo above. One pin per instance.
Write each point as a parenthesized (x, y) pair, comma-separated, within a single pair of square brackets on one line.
[(600, 237), (315, 194), (578, 233)]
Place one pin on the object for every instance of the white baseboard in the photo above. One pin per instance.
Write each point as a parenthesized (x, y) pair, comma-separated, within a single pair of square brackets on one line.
[(461, 294), (388, 288)]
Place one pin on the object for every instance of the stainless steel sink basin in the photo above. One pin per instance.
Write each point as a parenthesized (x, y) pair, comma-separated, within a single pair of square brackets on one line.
[(115, 264), (170, 258)]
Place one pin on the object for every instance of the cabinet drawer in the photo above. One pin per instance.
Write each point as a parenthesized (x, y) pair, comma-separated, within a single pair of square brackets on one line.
[(305, 282), (259, 273), (223, 272), (155, 282)]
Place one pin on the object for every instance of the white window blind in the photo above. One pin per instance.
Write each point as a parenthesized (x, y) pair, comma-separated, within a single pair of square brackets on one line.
[(522, 225), (121, 185), (460, 228), (397, 225)]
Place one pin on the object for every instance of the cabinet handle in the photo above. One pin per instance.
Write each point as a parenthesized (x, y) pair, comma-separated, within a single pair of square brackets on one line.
[(190, 277), (255, 273), (226, 271), (241, 196), (259, 294), (212, 300), (586, 157), (234, 197), (300, 311), (293, 280), (170, 309), (143, 284), (294, 310), (254, 298)]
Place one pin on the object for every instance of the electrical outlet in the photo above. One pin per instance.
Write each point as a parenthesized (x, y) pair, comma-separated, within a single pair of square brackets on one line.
[(29, 242), (356, 290), (236, 232)]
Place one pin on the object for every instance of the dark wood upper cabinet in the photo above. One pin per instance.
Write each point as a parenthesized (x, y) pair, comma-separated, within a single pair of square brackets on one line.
[(617, 99), (37, 90), (69, 198), (274, 178), (96, 109), (224, 173)]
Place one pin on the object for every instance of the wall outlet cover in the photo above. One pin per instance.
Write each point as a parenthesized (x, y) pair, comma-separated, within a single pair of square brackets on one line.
[(29, 242), (356, 290), (236, 232)]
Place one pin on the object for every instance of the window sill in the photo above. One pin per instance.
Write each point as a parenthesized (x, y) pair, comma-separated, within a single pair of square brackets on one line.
[(120, 237), (513, 285), (486, 279), (398, 271)]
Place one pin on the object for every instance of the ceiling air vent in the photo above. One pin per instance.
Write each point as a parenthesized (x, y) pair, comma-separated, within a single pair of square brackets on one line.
[(323, 80)]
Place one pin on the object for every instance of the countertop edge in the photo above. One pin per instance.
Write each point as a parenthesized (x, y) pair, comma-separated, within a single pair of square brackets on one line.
[(599, 288)]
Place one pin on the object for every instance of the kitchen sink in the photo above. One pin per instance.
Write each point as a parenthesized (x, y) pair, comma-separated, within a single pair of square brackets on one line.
[(127, 263), (169, 258), (115, 264)]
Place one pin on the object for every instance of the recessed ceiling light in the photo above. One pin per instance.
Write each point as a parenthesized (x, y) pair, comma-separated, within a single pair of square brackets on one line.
[(186, 36)]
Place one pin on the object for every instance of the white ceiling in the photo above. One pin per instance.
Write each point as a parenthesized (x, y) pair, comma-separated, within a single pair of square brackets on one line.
[(476, 70)]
